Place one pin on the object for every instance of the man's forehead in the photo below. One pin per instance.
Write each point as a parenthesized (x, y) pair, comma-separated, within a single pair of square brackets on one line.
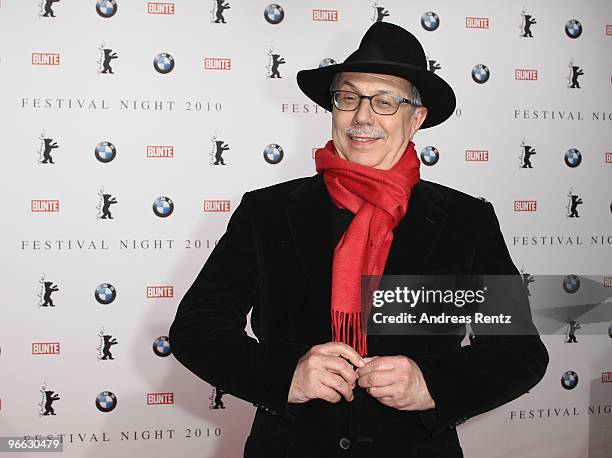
[(375, 78)]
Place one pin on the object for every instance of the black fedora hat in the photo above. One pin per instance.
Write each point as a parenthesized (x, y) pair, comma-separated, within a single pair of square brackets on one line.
[(390, 50)]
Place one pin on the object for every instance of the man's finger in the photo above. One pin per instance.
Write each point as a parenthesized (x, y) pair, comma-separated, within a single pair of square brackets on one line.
[(380, 363), (338, 384), (329, 395), (380, 392), (341, 367), (344, 350), (377, 379)]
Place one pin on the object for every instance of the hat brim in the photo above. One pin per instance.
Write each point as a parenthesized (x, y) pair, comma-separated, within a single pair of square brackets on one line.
[(436, 94)]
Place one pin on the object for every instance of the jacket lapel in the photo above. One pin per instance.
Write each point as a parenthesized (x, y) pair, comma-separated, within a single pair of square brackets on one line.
[(312, 231), (417, 234)]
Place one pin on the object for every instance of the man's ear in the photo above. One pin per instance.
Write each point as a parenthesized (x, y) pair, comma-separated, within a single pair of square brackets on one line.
[(418, 118)]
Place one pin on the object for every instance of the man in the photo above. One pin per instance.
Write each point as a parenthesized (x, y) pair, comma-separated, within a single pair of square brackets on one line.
[(294, 253)]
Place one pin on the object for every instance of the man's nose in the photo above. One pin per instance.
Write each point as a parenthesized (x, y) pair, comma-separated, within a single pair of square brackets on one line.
[(364, 113)]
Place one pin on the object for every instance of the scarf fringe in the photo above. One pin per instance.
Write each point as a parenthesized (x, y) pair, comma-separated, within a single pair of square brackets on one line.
[(347, 328)]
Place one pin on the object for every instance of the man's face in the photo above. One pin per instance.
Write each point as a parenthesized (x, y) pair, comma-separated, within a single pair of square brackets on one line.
[(365, 137)]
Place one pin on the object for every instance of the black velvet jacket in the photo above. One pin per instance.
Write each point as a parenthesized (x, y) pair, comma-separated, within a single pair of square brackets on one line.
[(276, 259)]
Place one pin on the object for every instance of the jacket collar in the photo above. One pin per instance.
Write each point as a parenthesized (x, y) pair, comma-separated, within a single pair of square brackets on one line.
[(414, 238)]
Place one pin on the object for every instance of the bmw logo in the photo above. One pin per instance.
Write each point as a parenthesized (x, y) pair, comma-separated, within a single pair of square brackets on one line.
[(569, 380), (105, 293), (274, 13), (571, 284), (105, 152), (573, 28), (163, 206), (106, 401), (573, 158), (161, 346), (327, 62), (430, 155), (106, 8), (273, 153), (430, 21), (480, 73), (163, 63)]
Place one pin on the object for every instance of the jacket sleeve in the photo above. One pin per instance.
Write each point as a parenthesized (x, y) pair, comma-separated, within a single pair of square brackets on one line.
[(494, 369), (208, 334)]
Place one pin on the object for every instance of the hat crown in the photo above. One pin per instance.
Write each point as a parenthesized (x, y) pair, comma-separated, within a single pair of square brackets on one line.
[(386, 49), (388, 42)]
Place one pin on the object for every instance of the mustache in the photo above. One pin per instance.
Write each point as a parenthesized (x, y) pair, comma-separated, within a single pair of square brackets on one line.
[(364, 131)]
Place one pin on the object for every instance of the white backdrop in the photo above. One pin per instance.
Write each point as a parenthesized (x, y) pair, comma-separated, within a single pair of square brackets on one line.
[(76, 107)]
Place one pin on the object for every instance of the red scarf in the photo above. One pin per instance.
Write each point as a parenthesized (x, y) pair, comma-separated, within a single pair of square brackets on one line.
[(379, 199)]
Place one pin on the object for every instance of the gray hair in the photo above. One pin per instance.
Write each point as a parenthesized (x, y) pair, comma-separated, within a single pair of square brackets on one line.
[(414, 96)]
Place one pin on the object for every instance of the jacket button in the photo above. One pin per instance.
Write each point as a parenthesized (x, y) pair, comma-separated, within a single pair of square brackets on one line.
[(345, 443)]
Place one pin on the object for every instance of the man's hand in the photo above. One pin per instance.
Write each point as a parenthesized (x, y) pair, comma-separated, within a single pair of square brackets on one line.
[(325, 372), (396, 381)]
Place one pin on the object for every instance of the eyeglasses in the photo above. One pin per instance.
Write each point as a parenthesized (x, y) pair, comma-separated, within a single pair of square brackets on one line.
[(383, 104)]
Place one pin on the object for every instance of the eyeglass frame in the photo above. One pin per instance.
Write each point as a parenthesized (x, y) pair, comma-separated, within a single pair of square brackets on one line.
[(398, 98)]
